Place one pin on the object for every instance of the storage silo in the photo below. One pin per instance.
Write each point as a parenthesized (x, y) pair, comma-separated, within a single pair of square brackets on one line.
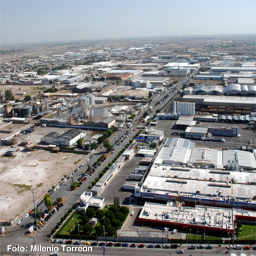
[(83, 100), (36, 109), (17, 110), (91, 99), (174, 108), (26, 110)]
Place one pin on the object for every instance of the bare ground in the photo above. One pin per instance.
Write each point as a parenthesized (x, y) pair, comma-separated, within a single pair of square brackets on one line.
[(38, 170)]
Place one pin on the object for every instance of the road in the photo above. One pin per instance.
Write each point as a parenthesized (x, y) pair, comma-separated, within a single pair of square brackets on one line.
[(17, 234), (70, 250)]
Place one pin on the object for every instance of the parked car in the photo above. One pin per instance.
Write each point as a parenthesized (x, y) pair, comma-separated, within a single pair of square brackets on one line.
[(141, 245), (117, 244), (101, 244), (68, 242), (200, 247), (238, 247), (94, 243), (133, 245), (247, 247), (174, 246), (174, 231), (157, 246), (208, 247), (191, 247), (125, 245), (166, 246), (109, 244), (76, 243)]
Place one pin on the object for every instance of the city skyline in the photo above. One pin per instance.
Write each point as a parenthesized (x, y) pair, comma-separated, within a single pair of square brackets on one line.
[(39, 21)]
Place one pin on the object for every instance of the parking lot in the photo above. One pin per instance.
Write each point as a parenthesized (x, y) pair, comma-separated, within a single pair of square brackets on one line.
[(168, 126)]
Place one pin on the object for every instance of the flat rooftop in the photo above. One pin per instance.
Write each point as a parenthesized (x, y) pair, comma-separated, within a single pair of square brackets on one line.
[(210, 217)]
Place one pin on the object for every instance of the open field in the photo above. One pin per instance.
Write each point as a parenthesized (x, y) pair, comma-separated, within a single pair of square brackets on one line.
[(38, 170)]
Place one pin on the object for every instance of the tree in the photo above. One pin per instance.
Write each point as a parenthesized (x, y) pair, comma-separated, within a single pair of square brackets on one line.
[(99, 230), (80, 143), (116, 223), (114, 208), (87, 229), (105, 134), (84, 219), (100, 214), (90, 212), (120, 216), (38, 213), (87, 146), (59, 199), (48, 201), (107, 145), (111, 231), (124, 210), (145, 114), (109, 132), (27, 98), (94, 145), (105, 221), (8, 95), (110, 215)]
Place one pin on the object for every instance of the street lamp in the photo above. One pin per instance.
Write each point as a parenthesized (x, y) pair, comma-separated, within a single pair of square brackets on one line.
[(79, 233), (104, 232)]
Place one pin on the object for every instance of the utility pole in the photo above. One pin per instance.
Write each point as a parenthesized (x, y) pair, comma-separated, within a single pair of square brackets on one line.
[(34, 205)]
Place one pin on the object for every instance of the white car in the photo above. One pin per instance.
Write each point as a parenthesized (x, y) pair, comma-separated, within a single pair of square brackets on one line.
[(132, 213), (166, 229), (26, 215), (19, 222), (174, 231), (54, 254)]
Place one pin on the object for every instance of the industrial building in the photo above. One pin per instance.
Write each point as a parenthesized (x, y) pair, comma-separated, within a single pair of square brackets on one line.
[(180, 171), (208, 89), (199, 217), (238, 89), (87, 87), (68, 138), (214, 100), (196, 132)]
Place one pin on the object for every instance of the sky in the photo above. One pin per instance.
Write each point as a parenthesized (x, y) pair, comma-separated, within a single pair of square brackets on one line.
[(34, 21)]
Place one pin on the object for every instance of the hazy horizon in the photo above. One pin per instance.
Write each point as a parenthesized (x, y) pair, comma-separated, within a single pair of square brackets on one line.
[(44, 21)]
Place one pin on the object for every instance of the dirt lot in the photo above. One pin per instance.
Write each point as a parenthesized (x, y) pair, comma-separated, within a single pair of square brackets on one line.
[(31, 90), (38, 170)]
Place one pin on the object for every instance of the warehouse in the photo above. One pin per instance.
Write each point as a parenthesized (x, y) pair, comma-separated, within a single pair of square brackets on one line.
[(215, 100), (196, 132), (68, 138), (175, 151), (101, 122), (238, 159), (100, 100), (208, 89)]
